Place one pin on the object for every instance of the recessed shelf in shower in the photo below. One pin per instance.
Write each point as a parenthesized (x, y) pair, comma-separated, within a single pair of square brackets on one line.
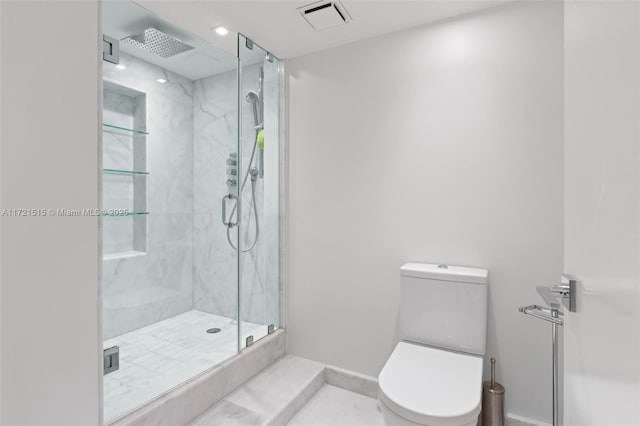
[(111, 127), (124, 172), (125, 175)]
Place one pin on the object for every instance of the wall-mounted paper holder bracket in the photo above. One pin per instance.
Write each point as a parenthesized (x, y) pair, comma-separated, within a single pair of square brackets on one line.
[(563, 293)]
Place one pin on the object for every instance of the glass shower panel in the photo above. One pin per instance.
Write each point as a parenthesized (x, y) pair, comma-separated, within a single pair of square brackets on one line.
[(170, 277), (259, 100)]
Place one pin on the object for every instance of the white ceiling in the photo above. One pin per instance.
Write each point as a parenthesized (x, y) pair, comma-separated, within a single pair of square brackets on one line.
[(278, 27)]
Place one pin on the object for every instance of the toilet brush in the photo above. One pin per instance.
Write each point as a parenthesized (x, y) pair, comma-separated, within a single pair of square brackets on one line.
[(492, 400)]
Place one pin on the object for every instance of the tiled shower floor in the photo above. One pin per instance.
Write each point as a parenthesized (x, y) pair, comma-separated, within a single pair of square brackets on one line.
[(160, 356)]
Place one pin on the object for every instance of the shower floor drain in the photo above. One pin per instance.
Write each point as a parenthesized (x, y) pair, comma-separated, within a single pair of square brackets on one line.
[(213, 330)]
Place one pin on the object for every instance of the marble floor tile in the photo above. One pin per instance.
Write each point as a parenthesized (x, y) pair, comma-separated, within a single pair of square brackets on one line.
[(272, 390), (333, 406), (229, 414), (158, 357), (272, 395)]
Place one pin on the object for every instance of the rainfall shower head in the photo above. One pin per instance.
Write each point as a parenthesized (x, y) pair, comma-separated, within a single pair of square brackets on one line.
[(156, 42)]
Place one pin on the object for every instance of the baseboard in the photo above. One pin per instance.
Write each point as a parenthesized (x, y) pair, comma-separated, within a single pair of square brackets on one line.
[(352, 381)]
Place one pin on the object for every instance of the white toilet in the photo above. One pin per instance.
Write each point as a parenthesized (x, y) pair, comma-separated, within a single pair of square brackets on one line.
[(434, 375)]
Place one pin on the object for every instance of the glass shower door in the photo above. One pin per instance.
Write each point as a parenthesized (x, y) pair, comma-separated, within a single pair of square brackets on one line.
[(258, 129), (169, 152)]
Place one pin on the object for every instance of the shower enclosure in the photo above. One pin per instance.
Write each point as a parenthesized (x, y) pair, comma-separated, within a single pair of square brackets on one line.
[(191, 204)]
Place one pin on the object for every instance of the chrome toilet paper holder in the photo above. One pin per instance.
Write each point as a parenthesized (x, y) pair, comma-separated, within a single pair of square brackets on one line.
[(555, 296)]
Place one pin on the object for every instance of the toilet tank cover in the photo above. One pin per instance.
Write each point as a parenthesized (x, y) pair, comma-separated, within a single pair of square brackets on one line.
[(444, 272)]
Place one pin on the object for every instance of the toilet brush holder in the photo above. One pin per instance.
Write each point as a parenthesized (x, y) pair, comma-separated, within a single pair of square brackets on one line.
[(492, 400)]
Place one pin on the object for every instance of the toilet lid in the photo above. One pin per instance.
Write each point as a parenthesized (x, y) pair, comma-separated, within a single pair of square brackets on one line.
[(432, 386)]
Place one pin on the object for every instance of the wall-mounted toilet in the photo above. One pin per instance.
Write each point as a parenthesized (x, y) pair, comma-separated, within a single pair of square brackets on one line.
[(434, 375)]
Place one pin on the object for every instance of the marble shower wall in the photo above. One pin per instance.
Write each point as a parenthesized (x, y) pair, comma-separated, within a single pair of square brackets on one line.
[(141, 289), (189, 263), (271, 220), (252, 266), (214, 138), (215, 127)]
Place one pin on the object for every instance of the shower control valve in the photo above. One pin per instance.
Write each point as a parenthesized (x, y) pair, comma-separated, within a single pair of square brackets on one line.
[(232, 170)]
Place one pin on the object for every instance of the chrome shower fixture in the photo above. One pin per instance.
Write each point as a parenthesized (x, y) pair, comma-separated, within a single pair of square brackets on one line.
[(256, 103), (156, 42)]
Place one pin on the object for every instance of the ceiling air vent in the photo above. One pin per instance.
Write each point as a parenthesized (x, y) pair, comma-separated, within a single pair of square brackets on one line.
[(324, 14)]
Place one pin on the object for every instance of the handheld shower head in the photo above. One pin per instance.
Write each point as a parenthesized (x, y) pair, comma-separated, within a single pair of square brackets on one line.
[(252, 97), (256, 103)]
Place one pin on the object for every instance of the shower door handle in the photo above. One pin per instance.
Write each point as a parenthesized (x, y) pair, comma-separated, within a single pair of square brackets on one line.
[(230, 223)]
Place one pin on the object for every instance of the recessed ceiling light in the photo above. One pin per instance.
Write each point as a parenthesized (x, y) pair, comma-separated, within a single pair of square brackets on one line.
[(161, 80), (121, 67), (221, 30)]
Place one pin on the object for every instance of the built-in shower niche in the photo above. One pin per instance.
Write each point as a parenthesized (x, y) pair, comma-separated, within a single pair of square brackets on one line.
[(125, 175)]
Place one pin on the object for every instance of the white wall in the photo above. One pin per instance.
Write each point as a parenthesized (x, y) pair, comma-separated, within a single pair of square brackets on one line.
[(437, 144), (49, 135), (602, 188)]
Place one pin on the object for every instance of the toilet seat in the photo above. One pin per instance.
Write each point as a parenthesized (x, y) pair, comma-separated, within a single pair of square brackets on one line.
[(432, 386)]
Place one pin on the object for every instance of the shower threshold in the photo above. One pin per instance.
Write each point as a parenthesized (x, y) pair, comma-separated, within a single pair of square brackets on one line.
[(160, 356)]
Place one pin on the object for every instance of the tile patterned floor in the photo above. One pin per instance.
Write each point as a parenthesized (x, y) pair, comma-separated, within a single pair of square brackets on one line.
[(160, 356), (333, 406)]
